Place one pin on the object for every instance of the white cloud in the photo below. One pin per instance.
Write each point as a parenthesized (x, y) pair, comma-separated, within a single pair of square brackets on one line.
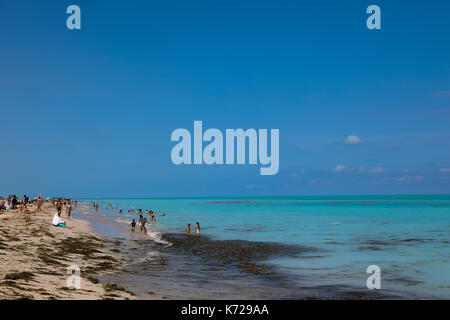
[(377, 170), (353, 139), (405, 179), (445, 170), (293, 174), (340, 168)]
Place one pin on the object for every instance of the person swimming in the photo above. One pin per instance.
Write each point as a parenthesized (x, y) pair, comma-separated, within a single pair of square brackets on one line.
[(188, 228), (197, 228)]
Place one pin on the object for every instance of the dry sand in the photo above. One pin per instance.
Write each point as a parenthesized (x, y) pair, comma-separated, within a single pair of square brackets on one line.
[(34, 256)]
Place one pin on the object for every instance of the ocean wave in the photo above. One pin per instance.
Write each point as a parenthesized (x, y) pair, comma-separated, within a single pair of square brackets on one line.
[(156, 236)]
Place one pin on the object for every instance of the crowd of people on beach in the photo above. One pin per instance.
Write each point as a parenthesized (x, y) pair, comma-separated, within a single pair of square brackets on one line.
[(14, 202)]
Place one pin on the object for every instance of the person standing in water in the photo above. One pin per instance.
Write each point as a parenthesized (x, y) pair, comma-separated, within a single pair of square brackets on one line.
[(143, 228), (188, 228), (133, 225), (197, 228)]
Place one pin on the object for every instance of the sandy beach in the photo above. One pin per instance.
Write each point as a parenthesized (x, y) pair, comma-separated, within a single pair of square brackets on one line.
[(35, 255)]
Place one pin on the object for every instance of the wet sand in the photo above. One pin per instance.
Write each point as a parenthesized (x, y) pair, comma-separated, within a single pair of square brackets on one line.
[(35, 255)]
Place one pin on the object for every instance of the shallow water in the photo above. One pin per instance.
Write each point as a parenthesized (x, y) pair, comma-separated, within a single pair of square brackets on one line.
[(289, 247)]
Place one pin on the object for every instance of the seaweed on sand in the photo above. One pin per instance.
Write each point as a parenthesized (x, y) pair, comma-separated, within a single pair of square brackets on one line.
[(80, 246), (48, 256), (25, 275)]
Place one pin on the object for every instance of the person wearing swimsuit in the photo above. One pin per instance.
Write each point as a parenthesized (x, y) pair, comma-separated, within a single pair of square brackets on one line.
[(197, 228), (68, 209), (143, 225), (140, 221), (58, 207)]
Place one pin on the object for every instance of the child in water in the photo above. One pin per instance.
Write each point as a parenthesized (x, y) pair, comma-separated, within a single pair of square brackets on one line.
[(133, 225), (188, 228)]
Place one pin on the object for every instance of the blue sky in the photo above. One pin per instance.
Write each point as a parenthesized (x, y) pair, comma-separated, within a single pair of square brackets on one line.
[(90, 112)]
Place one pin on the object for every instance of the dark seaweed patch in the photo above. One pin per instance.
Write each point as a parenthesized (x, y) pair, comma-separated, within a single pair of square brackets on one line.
[(247, 256), (20, 276)]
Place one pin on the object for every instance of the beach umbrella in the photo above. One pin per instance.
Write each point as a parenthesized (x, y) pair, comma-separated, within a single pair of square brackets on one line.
[(47, 198)]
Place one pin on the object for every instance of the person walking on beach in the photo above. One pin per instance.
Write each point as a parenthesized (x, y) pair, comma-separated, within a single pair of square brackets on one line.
[(59, 206), (188, 228), (38, 202), (197, 228), (68, 209)]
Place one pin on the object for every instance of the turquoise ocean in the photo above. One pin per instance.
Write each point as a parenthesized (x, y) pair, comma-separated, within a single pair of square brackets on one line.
[(315, 247)]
